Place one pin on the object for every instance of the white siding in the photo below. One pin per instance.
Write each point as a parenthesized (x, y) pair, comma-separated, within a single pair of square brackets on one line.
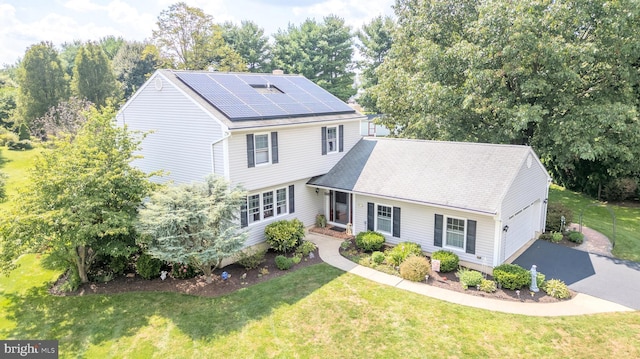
[(182, 133), (307, 205), (417, 225), (299, 152), (523, 207)]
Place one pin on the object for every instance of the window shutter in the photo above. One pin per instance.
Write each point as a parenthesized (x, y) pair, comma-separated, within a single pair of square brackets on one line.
[(437, 231), (370, 216), (324, 141), (396, 222), (471, 237), (292, 201), (274, 147), (244, 220), (341, 138), (251, 162)]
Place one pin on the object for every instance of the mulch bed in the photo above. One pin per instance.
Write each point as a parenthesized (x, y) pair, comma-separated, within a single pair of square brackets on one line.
[(451, 282), (194, 286)]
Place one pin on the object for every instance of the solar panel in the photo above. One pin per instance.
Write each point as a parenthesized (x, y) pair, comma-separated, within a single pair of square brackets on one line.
[(242, 96)]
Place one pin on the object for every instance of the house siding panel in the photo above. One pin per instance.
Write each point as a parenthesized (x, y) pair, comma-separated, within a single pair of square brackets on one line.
[(181, 137), (299, 155), (418, 226)]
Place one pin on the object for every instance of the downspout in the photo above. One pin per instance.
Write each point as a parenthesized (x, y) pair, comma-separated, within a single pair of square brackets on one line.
[(225, 135)]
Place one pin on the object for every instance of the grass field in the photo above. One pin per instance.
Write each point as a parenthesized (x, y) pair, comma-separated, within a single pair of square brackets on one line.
[(316, 312), (597, 216), (16, 167)]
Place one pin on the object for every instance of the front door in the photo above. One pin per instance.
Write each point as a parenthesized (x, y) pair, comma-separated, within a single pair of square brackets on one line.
[(339, 207)]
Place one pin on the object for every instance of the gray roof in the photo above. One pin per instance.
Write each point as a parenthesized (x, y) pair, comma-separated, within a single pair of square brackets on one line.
[(240, 101), (461, 175)]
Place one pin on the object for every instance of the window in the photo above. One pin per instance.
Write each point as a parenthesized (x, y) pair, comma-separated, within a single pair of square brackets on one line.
[(254, 208), (262, 148), (455, 233), (384, 219), (281, 198), (332, 139), (267, 204)]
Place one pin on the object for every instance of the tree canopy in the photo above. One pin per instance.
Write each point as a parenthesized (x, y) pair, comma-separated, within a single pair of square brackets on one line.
[(133, 64), (250, 42), (188, 39), (81, 199), (320, 52), (193, 224), (562, 77), (41, 80), (92, 75)]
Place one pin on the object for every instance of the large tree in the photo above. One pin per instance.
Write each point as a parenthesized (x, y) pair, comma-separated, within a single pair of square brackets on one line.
[(560, 76), (321, 52), (193, 224), (92, 75), (81, 199), (250, 42), (111, 45), (8, 98), (66, 118), (188, 38), (41, 80), (133, 64), (375, 38)]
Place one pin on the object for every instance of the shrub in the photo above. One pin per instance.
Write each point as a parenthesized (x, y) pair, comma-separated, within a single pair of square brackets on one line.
[(469, 278), (321, 221), (118, 264), (20, 145), (620, 189), (415, 268), (398, 254), (556, 237), (284, 236), (8, 136), (511, 276), (377, 257), (148, 267), (487, 286), (296, 259), (557, 289), (23, 132), (448, 260), (540, 280), (554, 213), (252, 261), (283, 263), (369, 241), (183, 271), (305, 248), (576, 237), (545, 236)]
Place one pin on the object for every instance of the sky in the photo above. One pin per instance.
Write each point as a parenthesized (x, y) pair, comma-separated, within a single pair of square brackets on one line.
[(27, 22)]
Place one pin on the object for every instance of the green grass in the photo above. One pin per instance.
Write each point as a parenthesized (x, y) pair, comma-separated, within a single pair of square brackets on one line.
[(315, 312), (596, 216), (17, 166)]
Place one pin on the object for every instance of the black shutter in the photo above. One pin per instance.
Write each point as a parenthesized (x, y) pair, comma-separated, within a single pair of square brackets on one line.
[(396, 222), (471, 237), (244, 221), (437, 231), (370, 216), (251, 162), (274, 147), (292, 201), (324, 141), (341, 138)]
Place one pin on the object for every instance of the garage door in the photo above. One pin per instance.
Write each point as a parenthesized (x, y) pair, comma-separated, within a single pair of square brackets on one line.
[(522, 228)]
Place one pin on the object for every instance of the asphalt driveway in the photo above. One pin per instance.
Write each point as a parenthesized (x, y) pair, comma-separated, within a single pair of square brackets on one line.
[(603, 277)]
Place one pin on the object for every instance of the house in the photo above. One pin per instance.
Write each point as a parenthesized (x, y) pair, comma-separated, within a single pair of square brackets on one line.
[(370, 127), (298, 151)]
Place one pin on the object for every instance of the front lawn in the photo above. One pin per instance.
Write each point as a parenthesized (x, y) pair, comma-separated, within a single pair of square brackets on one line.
[(17, 166), (315, 312), (596, 216)]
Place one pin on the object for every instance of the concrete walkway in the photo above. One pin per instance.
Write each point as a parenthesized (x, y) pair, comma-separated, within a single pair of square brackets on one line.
[(329, 249)]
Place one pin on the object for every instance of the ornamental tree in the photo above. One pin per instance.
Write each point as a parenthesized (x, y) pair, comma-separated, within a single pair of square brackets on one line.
[(194, 224), (81, 200)]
